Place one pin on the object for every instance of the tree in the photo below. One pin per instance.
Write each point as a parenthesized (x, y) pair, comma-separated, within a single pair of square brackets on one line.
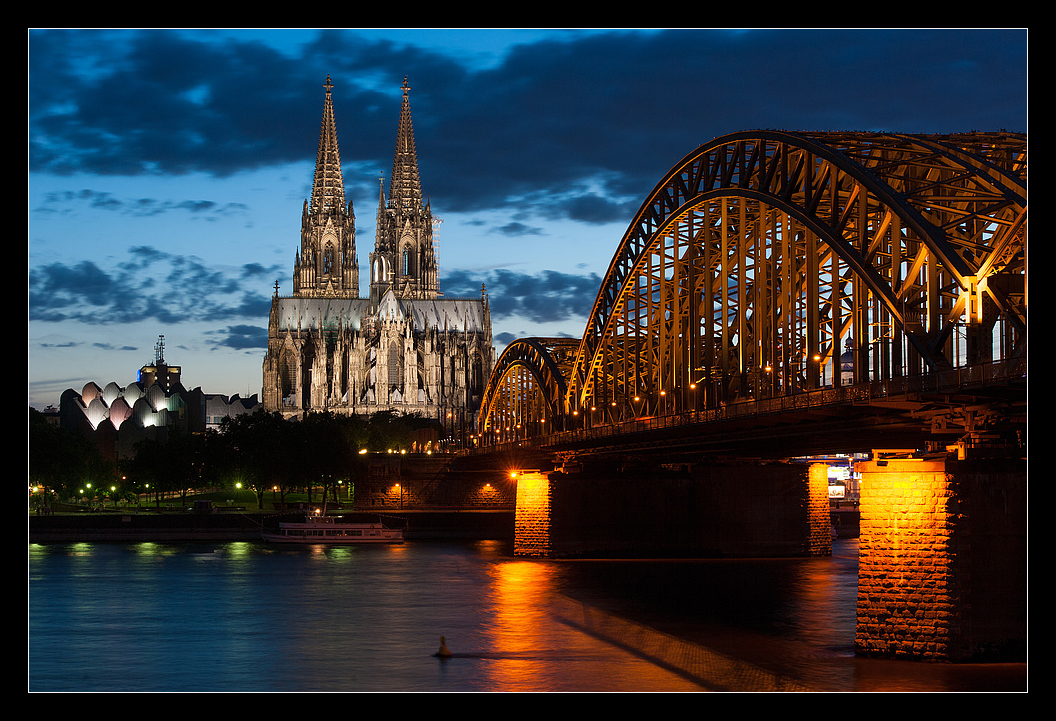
[(255, 448), (327, 450), (61, 462), (389, 430)]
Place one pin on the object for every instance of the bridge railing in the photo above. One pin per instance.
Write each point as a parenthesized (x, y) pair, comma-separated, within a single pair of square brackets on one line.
[(955, 379)]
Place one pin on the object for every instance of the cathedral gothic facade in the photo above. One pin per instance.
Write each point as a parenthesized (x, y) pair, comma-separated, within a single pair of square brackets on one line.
[(405, 348)]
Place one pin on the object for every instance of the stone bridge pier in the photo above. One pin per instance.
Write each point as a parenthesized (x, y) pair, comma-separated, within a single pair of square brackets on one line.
[(942, 569)]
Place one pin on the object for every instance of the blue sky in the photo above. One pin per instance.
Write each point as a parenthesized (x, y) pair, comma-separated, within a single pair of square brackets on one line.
[(167, 168)]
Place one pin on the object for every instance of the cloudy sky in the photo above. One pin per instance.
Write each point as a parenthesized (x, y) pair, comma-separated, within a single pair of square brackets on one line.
[(167, 168)]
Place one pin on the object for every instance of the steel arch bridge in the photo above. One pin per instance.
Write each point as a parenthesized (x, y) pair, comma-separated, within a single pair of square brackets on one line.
[(769, 263)]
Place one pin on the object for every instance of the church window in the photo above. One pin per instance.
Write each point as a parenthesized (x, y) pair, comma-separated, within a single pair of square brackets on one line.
[(476, 380), (380, 271), (287, 374), (394, 366), (328, 259)]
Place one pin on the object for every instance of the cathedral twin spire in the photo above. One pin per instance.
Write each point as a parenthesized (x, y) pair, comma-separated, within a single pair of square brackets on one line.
[(403, 259), (311, 362)]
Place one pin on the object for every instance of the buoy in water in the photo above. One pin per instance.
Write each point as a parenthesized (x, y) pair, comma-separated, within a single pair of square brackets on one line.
[(443, 652)]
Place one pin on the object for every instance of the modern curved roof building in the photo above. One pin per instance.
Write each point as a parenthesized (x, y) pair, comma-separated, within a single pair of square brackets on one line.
[(117, 417)]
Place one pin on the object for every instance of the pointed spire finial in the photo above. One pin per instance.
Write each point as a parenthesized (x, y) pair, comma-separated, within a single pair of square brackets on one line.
[(405, 187), (328, 188)]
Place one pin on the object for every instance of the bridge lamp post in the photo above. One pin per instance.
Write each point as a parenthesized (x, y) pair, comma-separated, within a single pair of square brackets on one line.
[(663, 397)]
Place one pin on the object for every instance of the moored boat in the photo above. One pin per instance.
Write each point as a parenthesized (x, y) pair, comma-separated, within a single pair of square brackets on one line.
[(333, 530)]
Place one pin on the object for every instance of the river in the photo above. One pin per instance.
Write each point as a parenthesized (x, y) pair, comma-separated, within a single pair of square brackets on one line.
[(248, 617)]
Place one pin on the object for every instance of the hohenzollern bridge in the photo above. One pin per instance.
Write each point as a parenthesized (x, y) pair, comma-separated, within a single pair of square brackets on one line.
[(786, 296)]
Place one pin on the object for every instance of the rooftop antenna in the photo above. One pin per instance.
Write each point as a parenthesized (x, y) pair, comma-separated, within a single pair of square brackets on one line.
[(159, 351)]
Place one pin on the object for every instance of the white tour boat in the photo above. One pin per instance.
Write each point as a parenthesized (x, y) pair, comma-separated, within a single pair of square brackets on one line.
[(332, 530)]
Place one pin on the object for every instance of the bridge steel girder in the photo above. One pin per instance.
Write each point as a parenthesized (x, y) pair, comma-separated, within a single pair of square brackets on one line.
[(527, 388), (760, 253)]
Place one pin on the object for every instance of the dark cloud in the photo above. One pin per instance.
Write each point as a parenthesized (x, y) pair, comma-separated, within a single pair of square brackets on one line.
[(111, 346), (255, 270), (591, 208), (579, 127), (517, 229), (61, 202), (240, 337), (547, 297), (149, 285)]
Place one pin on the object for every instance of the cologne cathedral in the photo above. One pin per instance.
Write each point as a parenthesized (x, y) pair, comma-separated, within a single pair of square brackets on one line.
[(405, 347)]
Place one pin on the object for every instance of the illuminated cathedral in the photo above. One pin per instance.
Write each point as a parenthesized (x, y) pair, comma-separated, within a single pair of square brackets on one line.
[(405, 347)]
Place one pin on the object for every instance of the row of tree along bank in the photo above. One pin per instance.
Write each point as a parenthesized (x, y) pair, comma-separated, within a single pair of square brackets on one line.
[(260, 452)]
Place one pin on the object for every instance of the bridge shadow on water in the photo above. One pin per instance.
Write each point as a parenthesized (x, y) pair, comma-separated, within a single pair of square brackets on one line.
[(752, 625)]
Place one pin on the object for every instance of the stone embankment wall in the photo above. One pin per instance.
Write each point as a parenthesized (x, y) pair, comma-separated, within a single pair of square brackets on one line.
[(431, 482)]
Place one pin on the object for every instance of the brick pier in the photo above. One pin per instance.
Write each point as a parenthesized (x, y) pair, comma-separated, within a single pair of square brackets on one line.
[(942, 560)]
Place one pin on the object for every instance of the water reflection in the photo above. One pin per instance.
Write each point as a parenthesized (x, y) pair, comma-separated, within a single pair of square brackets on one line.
[(250, 617), (536, 644)]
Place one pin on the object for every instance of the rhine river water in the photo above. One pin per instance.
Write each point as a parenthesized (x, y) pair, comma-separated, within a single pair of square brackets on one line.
[(248, 617)]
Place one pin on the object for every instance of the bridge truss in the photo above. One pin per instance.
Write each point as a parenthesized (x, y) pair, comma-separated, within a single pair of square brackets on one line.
[(527, 397), (772, 263)]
